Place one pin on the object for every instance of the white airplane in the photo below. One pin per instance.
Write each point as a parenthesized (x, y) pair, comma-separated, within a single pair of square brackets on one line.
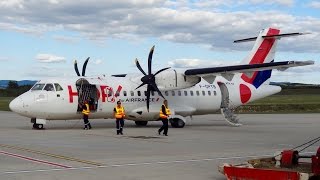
[(189, 91)]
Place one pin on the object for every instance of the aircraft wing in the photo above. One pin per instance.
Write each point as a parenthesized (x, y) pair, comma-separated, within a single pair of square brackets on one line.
[(229, 71)]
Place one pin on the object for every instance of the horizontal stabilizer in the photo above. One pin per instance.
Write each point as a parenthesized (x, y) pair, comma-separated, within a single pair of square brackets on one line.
[(270, 36)]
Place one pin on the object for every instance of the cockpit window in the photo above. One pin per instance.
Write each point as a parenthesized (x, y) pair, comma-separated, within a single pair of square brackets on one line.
[(58, 87), (37, 87), (49, 87)]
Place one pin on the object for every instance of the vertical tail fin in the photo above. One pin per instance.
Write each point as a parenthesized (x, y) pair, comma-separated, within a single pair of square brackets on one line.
[(263, 51)]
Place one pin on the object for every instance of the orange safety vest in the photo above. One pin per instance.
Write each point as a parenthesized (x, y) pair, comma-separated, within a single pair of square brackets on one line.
[(119, 112), (163, 116), (86, 111)]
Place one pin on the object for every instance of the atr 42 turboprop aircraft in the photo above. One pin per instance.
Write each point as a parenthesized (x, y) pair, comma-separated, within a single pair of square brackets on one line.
[(189, 91)]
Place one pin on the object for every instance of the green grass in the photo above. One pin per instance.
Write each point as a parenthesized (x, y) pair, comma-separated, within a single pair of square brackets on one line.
[(289, 99), (4, 103), (292, 103)]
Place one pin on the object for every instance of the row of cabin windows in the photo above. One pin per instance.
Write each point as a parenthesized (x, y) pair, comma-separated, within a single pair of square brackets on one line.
[(174, 93)]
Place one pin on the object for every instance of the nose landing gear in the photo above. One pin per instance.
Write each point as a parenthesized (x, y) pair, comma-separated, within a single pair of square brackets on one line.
[(38, 123)]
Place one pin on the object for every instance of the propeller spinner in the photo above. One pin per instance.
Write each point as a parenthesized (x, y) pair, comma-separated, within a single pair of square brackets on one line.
[(149, 79), (84, 67)]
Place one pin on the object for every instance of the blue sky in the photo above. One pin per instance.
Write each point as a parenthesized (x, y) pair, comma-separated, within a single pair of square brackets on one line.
[(41, 39)]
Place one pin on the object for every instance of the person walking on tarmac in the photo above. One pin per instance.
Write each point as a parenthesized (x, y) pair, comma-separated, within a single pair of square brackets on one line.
[(164, 114), (119, 114), (86, 112)]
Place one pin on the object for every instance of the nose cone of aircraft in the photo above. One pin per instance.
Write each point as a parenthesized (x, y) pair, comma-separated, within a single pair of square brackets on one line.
[(16, 105)]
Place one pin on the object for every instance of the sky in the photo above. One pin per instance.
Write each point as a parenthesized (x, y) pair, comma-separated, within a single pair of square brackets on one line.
[(41, 39)]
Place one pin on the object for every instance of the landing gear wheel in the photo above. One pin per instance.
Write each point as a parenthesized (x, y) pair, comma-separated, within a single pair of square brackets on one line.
[(37, 126), (141, 123), (40, 126), (177, 123)]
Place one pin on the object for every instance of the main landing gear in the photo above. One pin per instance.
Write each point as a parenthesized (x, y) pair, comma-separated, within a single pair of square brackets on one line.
[(177, 122), (141, 123)]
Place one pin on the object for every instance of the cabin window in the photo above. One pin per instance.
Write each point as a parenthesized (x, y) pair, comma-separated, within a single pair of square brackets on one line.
[(173, 93), (58, 87), (185, 93), (139, 93), (49, 87), (215, 93), (124, 93), (179, 93), (131, 93), (203, 93), (191, 93), (209, 93), (166, 93), (145, 93), (37, 87), (197, 93)]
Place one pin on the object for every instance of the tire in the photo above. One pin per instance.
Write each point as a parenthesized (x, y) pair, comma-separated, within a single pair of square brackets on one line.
[(177, 123), (141, 123), (40, 126), (37, 126)]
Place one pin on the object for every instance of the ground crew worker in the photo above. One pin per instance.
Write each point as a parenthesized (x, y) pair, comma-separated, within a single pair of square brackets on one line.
[(86, 112), (119, 114), (164, 114)]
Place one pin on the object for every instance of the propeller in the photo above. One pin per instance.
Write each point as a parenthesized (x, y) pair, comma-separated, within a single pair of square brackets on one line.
[(149, 79), (84, 67)]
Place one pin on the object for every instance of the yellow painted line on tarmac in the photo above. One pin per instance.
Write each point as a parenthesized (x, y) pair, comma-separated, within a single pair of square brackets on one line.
[(51, 155)]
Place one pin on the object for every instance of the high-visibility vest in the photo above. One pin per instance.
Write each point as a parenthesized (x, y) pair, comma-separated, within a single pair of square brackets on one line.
[(119, 112), (163, 116), (87, 110)]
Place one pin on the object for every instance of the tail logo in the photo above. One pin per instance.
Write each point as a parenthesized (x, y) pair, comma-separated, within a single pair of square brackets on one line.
[(260, 57)]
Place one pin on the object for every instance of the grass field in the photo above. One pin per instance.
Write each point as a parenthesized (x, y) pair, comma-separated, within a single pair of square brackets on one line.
[(298, 103), (4, 103)]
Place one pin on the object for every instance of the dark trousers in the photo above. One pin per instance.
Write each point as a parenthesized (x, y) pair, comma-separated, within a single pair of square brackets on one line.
[(86, 121), (164, 126), (119, 124)]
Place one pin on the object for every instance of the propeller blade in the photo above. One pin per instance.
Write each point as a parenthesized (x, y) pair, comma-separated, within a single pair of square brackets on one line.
[(148, 97), (140, 86), (76, 67), (150, 60), (85, 66), (161, 70), (155, 87), (139, 67)]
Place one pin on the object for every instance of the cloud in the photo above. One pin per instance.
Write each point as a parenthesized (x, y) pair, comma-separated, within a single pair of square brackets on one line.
[(12, 4), (97, 62), (176, 21), (66, 39), (314, 4), (278, 2), (197, 63), (49, 58), (2, 59)]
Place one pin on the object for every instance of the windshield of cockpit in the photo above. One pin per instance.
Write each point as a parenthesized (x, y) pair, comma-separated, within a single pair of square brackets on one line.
[(47, 87), (37, 86)]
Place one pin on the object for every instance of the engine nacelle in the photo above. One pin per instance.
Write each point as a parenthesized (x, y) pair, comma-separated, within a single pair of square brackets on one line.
[(171, 79)]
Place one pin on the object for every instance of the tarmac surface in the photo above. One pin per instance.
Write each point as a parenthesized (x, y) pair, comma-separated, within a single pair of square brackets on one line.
[(65, 151)]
